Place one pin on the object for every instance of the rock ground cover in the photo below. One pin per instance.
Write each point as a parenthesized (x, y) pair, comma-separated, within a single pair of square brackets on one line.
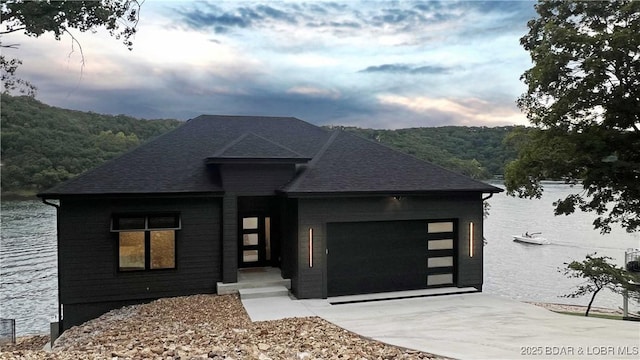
[(207, 326)]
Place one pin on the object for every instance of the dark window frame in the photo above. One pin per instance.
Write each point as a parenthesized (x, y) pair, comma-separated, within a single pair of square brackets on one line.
[(147, 230), (116, 228)]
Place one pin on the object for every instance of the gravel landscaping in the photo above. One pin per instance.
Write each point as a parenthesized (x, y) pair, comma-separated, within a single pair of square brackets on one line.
[(206, 326)]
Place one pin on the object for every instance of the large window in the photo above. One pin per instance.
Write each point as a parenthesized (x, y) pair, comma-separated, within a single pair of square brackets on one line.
[(146, 242)]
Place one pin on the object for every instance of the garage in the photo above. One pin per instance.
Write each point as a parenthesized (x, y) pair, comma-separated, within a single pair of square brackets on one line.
[(382, 256)]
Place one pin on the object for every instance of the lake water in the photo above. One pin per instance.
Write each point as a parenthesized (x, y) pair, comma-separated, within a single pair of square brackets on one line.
[(530, 272), (28, 285), (28, 265)]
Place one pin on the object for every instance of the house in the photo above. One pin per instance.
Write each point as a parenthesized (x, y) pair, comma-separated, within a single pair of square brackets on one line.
[(336, 213)]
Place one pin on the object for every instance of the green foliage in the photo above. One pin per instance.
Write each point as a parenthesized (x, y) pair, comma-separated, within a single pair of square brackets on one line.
[(12, 83), (583, 97), (598, 274), (35, 18), (478, 152), (43, 145)]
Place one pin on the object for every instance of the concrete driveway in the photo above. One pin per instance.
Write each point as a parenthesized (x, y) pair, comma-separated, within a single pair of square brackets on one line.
[(481, 326)]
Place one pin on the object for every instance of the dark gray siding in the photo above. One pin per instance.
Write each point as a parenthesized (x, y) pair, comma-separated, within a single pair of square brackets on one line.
[(255, 179), (88, 254), (230, 238), (311, 282), (289, 247)]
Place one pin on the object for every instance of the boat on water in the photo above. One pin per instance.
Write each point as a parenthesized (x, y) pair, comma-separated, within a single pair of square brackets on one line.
[(531, 238)]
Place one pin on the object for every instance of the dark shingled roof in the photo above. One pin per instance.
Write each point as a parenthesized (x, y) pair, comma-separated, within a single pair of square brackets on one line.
[(341, 163), (251, 147), (352, 164)]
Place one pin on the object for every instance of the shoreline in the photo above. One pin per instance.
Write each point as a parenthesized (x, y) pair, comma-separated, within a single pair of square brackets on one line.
[(16, 196)]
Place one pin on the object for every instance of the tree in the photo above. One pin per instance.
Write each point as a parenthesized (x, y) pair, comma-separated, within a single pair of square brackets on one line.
[(35, 18), (599, 274), (583, 99)]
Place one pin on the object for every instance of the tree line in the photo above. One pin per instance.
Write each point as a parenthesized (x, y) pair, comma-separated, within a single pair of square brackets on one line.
[(44, 145), (478, 152)]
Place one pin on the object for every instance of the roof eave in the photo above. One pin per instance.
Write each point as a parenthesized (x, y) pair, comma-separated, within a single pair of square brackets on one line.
[(255, 160), (353, 193), (58, 196)]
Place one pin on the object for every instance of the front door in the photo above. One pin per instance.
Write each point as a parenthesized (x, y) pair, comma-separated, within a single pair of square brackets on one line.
[(255, 240)]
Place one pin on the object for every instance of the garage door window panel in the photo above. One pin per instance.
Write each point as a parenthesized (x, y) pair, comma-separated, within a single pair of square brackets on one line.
[(444, 244), (441, 259), (439, 279), (437, 262)]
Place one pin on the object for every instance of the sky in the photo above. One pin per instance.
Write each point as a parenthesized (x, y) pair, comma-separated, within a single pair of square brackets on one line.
[(371, 64)]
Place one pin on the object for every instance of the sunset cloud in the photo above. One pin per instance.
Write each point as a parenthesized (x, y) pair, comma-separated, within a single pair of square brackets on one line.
[(466, 111)]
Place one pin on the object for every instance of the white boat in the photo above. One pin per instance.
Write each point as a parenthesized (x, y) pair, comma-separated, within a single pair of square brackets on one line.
[(531, 238)]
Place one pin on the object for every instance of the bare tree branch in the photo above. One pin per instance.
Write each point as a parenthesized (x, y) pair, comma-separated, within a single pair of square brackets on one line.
[(12, 30)]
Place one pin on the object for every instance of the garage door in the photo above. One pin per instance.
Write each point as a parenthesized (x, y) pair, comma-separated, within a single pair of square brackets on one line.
[(370, 257)]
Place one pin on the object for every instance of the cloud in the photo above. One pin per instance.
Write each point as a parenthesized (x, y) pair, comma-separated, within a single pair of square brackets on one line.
[(389, 17), (344, 24), (406, 69), (213, 17), (314, 92), (207, 16), (369, 63), (488, 18), (276, 14), (468, 111)]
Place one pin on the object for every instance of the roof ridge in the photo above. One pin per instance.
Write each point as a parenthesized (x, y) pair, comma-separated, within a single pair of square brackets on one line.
[(276, 144), (230, 144), (296, 180), (324, 148), (228, 116), (245, 135)]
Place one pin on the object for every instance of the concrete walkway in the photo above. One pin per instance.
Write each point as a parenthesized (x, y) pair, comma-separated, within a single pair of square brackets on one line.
[(468, 326)]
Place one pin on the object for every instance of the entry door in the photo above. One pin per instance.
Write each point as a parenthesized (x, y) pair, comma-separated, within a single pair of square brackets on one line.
[(255, 240)]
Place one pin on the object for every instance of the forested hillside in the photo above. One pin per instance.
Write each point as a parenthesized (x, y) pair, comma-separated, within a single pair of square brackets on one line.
[(44, 145), (479, 152)]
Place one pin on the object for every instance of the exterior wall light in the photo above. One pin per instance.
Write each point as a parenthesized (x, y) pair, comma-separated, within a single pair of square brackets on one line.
[(471, 239), (310, 247)]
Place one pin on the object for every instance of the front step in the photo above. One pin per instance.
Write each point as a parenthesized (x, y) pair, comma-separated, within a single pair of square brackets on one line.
[(233, 288), (263, 292)]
